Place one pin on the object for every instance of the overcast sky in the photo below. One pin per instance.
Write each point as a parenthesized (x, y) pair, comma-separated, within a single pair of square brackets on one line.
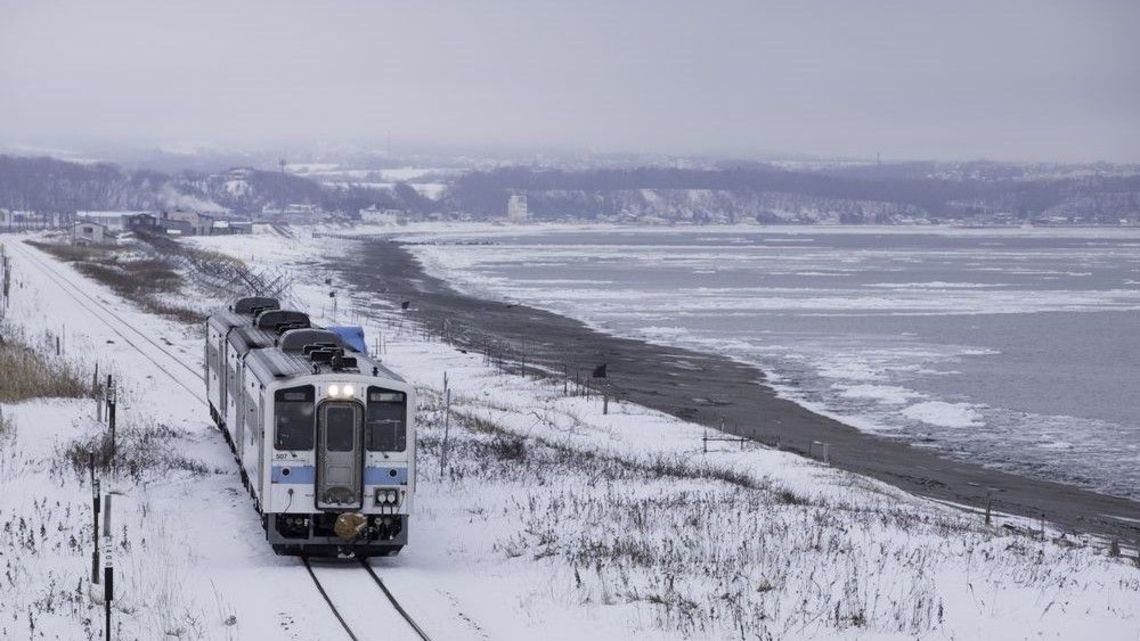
[(960, 79)]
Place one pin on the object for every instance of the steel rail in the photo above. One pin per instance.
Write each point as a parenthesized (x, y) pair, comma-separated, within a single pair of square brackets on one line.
[(392, 599), (70, 289), (325, 595)]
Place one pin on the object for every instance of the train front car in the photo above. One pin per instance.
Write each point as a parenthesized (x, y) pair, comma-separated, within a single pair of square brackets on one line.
[(325, 438), (341, 467)]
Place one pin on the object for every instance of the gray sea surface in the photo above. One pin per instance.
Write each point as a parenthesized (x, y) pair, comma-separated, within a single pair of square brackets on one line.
[(1018, 349)]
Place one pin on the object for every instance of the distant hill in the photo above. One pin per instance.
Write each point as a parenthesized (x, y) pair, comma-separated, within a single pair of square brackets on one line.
[(725, 193), (773, 194), (50, 185)]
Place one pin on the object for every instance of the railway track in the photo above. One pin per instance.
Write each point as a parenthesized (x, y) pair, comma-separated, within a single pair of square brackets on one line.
[(359, 621), (117, 324)]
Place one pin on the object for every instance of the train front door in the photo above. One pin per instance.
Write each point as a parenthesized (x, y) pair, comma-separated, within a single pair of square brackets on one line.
[(340, 455)]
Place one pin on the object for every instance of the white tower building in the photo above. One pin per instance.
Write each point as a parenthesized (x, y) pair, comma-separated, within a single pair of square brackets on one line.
[(516, 208)]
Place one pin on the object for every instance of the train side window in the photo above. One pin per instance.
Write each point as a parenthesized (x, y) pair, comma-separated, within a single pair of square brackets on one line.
[(294, 412), (251, 429), (386, 425), (233, 383)]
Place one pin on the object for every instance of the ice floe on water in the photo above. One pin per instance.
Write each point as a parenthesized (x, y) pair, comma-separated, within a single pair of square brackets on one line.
[(944, 414), (889, 394), (957, 339), (938, 284)]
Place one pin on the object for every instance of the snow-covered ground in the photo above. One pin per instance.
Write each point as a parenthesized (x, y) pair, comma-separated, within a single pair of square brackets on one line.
[(548, 520)]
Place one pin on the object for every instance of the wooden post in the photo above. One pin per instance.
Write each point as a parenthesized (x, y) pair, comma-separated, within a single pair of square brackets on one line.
[(446, 432), (989, 506), (605, 403), (112, 401)]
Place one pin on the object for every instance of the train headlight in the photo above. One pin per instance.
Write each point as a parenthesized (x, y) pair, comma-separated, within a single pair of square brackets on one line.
[(334, 390), (347, 391)]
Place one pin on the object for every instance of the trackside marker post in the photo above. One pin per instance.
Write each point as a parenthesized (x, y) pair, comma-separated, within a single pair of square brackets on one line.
[(108, 569), (95, 517)]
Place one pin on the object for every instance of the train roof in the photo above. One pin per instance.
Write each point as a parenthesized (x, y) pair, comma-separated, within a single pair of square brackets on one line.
[(242, 311), (248, 338), (273, 363), (252, 305), (224, 320), (280, 343)]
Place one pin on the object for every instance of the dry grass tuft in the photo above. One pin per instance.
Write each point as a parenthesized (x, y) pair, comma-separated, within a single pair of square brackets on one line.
[(140, 452), (30, 373)]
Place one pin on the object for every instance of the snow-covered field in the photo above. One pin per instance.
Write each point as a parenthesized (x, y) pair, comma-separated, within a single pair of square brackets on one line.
[(549, 519)]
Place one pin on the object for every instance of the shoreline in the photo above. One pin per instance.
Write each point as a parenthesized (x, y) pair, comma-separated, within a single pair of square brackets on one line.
[(711, 389)]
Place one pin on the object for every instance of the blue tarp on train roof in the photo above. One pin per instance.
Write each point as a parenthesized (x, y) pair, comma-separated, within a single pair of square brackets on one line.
[(352, 335)]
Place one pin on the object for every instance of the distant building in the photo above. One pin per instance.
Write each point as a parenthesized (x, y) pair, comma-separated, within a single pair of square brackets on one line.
[(296, 211), (187, 223), (177, 227), (111, 220), (375, 216), (22, 219), (229, 226), (143, 222), (88, 232), (516, 208)]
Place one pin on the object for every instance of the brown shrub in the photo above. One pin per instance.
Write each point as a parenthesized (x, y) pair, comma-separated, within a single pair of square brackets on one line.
[(142, 274), (29, 373)]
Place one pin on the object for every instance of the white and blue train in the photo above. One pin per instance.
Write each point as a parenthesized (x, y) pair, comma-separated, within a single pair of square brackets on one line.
[(324, 436)]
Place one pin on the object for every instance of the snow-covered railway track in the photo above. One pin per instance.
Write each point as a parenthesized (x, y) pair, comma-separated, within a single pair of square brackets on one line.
[(353, 594), (145, 345), (347, 595)]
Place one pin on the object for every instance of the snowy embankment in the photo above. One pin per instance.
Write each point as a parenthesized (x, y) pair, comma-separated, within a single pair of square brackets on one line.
[(548, 519)]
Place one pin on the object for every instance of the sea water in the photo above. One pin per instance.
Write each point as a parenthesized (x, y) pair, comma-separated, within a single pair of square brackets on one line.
[(1018, 349)]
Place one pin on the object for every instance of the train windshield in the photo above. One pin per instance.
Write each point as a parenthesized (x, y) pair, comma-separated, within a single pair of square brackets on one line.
[(295, 412), (386, 427), (340, 428)]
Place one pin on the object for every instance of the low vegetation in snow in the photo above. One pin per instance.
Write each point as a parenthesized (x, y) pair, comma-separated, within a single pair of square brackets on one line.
[(704, 550), (32, 370)]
